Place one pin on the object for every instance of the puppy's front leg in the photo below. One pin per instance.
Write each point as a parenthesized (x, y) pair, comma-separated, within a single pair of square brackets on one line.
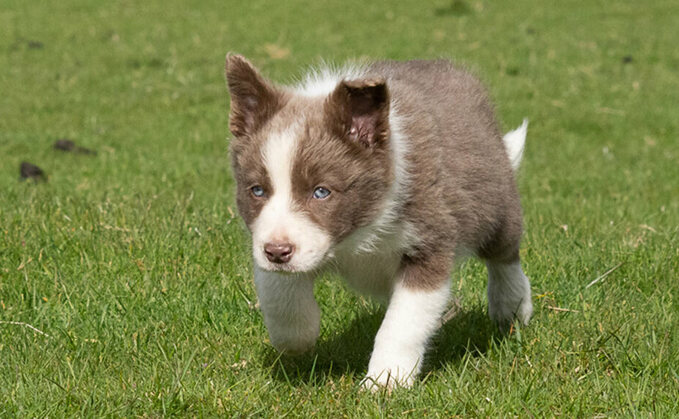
[(291, 314), (412, 317)]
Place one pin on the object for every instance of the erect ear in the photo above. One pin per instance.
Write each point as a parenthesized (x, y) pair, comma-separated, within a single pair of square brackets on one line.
[(253, 99), (359, 111)]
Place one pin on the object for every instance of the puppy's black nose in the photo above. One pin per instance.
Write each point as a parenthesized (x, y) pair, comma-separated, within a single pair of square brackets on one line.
[(278, 252)]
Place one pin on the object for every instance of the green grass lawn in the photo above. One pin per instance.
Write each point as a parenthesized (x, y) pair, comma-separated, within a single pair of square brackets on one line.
[(136, 272)]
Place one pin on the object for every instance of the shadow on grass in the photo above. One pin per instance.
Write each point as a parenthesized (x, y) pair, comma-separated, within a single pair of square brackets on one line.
[(469, 332), (348, 351)]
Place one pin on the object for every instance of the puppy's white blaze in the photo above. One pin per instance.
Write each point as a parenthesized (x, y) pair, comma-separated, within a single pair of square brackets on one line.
[(514, 143), (278, 220)]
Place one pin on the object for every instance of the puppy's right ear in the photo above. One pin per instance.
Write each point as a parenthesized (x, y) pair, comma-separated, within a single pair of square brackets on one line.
[(253, 99)]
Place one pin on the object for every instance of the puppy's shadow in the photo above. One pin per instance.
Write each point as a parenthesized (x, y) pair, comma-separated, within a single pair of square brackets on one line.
[(470, 332), (347, 351)]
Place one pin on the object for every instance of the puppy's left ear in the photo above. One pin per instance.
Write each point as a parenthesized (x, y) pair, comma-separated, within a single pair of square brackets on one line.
[(253, 99), (359, 111)]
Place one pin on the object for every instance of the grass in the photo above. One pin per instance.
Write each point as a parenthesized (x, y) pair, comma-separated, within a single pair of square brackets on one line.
[(135, 269)]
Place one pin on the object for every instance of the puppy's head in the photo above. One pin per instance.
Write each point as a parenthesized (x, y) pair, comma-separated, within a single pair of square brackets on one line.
[(310, 170)]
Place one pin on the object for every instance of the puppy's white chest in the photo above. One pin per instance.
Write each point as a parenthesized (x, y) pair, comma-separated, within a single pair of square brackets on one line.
[(370, 265), (370, 273)]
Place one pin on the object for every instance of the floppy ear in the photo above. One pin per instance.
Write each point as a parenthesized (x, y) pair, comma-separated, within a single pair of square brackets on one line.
[(253, 99), (359, 111)]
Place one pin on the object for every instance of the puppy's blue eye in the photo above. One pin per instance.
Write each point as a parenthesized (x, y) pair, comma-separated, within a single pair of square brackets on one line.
[(257, 191), (321, 193)]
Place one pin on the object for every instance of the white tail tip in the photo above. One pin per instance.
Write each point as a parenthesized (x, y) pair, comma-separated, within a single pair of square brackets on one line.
[(514, 143)]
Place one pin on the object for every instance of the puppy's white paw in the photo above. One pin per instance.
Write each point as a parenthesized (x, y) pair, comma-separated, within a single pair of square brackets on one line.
[(293, 348), (385, 381), (509, 296), (296, 338), (504, 313), (390, 373)]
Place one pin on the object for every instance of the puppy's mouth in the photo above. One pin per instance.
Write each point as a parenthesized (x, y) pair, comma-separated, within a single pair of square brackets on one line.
[(283, 268), (294, 266)]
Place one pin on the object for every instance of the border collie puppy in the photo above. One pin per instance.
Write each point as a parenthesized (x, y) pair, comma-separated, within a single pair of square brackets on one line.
[(387, 174)]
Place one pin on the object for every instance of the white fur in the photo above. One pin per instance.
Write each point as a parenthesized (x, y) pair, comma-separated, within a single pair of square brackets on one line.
[(371, 273), (291, 314), (514, 143), (278, 220), (323, 80), (412, 318), (508, 293)]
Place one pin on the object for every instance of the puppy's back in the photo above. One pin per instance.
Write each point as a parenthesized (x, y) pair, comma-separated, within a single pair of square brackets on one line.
[(462, 183)]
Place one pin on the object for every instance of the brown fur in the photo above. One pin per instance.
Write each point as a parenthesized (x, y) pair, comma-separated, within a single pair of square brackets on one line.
[(253, 99)]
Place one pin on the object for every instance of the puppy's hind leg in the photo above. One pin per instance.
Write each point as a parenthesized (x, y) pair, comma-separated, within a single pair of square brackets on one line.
[(509, 295)]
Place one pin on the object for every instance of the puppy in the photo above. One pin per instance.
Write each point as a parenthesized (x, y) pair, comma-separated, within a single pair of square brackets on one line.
[(386, 173)]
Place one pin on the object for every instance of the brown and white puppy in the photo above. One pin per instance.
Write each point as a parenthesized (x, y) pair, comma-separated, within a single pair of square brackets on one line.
[(387, 173)]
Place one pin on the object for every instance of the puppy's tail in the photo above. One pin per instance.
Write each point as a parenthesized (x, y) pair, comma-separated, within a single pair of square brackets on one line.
[(514, 143)]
